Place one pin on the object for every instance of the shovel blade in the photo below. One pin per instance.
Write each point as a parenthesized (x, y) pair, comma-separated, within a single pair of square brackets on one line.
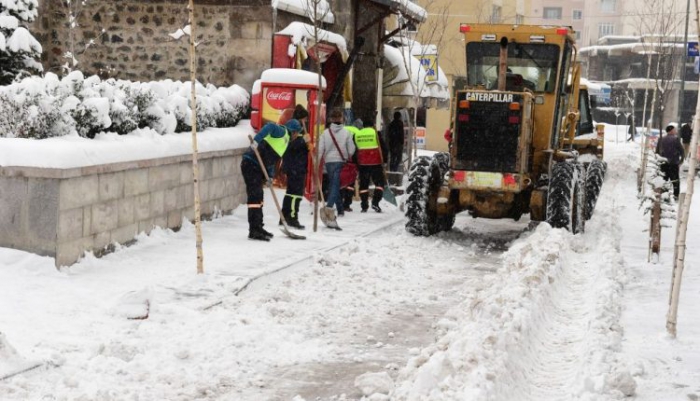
[(328, 218), (388, 195), (291, 234)]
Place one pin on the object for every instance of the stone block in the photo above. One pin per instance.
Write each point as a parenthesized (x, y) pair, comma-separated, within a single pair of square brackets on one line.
[(157, 203), (69, 252), (175, 219), (216, 188), (161, 221), (79, 191), (43, 209), (188, 192), (127, 211), (135, 182), (142, 207), (87, 221), (70, 224), (13, 210), (203, 191), (146, 226), (229, 165), (228, 203), (185, 173), (188, 213), (124, 234), (206, 169), (101, 241), (163, 177), (174, 198), (217, 167), (111, 186), (105, 217)]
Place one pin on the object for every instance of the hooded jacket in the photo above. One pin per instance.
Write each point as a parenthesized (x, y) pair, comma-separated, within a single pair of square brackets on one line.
[(327, 149)]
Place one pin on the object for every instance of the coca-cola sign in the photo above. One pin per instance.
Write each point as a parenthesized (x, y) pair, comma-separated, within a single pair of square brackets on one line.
[(280, 98)]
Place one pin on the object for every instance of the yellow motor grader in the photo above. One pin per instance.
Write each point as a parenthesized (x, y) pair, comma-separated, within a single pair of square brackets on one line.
[(514, 127)]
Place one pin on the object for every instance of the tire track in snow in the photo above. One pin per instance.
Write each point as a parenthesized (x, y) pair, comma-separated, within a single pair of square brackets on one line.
[(546, 363)]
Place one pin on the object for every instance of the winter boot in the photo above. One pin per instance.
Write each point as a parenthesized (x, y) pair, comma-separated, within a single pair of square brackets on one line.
[(376, 208), (266, 233), (295, 224), (257, 235)]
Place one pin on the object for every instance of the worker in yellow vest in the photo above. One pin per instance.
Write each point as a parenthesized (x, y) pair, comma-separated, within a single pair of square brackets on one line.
[(369, 161), (349, 191), (270, 143)]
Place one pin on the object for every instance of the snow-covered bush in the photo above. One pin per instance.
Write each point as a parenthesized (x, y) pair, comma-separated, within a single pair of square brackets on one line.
[(19, 50), (45, 107)]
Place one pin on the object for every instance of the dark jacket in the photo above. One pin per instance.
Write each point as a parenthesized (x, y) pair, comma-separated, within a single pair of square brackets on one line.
[(295, 160), (686, 133), (267, 154), (395, 134), (670, 148)]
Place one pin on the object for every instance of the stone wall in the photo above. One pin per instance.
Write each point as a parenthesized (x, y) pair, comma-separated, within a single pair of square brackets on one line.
[(131, 39), (64, 212)]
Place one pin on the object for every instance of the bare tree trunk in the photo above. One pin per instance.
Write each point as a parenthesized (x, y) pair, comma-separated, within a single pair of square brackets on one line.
[(195, 165), (679, 262)]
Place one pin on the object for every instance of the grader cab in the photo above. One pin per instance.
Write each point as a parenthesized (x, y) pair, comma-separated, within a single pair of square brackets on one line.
[(513, 133)]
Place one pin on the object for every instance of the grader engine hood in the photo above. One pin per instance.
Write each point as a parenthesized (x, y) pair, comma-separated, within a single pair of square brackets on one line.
[(493, 133)]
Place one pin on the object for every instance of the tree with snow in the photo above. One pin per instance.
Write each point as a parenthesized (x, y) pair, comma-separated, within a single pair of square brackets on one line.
[(19, 50)]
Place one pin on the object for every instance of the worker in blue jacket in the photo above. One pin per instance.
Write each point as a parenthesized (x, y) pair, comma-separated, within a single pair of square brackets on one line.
[(271, 143)]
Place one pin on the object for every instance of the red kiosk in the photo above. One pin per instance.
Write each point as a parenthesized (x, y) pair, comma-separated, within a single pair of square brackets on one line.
[(274, 97)]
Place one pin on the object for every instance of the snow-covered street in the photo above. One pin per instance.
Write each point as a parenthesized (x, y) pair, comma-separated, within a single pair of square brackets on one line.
[(491, 310)]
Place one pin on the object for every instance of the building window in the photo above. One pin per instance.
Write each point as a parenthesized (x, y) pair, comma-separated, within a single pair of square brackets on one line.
[(519, 19), (606, 29), (496, 15), (608, 6), (551, 13), (578, 35), (577, 14)]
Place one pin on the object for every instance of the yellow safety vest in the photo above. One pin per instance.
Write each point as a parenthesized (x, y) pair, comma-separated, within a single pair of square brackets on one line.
[(366, 138), (352, 130), (279, 145)]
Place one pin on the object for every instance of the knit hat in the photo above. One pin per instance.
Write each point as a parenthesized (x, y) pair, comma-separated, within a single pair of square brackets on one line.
[(670, 128), (358, 124), (300, 112), (293, 125)]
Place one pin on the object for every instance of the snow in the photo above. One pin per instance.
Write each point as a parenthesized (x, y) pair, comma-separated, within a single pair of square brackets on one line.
[(302, 33), (8, 22), (305, 8), (23, 41), (74, 151), (290, 76), (556, 316)]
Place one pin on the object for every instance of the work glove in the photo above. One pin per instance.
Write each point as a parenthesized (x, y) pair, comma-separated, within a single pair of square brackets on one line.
[(254, 145)]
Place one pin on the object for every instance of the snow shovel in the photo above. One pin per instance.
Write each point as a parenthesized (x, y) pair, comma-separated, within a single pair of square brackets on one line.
[(388, 194), (285, 227), (328, 219)]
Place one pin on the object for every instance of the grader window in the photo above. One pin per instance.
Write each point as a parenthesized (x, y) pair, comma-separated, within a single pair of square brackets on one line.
[(535, 63)]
